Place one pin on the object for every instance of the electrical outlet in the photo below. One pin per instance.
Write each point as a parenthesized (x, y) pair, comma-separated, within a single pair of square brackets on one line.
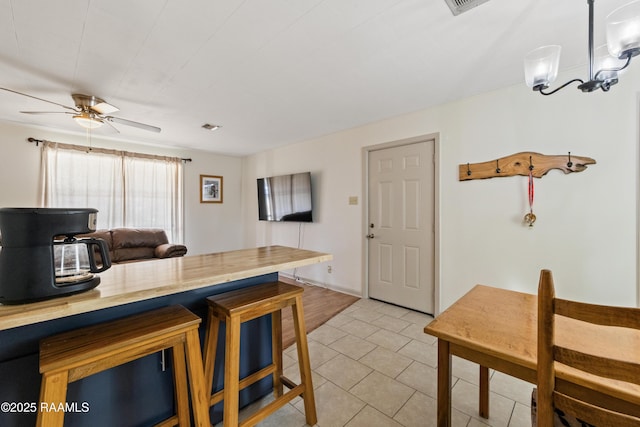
[(329, 269)]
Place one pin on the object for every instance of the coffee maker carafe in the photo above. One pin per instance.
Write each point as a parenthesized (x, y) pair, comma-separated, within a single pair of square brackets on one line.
[(40, 258), (74, 259)]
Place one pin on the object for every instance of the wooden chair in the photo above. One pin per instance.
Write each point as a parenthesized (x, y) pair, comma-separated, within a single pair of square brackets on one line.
[(580, 391), (236, 307), (79, 353)]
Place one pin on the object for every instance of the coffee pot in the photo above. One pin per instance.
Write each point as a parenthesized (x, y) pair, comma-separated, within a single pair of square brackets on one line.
[(40, 258), (74, 259)]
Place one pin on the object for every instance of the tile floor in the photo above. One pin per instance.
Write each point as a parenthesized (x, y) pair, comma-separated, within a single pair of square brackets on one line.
[(374, 366)]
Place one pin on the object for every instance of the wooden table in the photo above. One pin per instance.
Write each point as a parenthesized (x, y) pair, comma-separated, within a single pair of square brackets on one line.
[(497, 329)]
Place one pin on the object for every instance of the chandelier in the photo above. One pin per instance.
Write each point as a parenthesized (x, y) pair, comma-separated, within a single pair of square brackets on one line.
[(605, 62)]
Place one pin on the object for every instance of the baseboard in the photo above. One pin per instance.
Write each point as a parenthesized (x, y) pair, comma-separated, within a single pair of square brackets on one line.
[(320, 284)]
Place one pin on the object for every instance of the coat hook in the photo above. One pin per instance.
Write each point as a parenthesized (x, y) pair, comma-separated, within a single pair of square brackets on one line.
[(468, 170), (569, 163), (530, 164), (497, 166)]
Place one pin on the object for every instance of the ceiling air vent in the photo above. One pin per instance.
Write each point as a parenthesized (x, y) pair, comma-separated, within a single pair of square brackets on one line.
[(459, 6)]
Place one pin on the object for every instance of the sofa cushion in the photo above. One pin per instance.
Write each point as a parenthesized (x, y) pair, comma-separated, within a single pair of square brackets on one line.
[(169, 250), (138, 238)]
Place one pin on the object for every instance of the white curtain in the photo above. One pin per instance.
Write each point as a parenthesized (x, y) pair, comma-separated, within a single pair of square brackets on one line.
[(128, 189), (153, 194)]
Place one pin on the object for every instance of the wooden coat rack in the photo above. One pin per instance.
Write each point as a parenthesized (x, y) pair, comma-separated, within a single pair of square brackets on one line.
[(522, 163)]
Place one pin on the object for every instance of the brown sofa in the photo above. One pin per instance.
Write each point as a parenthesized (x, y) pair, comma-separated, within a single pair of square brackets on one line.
[(135, 244)]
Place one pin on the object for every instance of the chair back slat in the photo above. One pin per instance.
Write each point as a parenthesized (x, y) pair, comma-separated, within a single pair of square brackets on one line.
[(598, 365), (625, 317), (549, 352), (592, 414)]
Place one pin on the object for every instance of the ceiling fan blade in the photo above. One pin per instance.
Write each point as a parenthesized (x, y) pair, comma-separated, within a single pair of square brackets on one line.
[(47, 112), (108, 122), (39, 99), (104, 108), (132, 123)]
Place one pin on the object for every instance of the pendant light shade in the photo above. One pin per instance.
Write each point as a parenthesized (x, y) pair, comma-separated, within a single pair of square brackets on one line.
[(541, 66), (607, 67), (623, 31)]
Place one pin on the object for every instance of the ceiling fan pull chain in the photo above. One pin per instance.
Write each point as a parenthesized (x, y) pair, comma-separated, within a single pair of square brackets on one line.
[(89, 139)]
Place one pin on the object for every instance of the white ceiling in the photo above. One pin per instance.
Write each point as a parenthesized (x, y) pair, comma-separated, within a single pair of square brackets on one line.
[(271, 72)]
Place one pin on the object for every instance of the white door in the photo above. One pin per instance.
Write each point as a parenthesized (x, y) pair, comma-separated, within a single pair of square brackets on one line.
[(401, 225)]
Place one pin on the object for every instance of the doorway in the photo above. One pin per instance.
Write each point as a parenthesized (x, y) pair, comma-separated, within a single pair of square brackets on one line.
[(402, 223)]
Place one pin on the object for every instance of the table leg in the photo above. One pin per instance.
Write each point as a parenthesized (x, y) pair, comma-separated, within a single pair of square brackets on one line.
[(444, 384), (484, 392)]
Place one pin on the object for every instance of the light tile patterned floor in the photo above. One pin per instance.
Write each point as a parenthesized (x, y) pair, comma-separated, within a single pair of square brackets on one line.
[(374, 366)]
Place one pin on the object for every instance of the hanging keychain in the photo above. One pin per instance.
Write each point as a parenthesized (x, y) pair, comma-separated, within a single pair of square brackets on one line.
[(530, 218)]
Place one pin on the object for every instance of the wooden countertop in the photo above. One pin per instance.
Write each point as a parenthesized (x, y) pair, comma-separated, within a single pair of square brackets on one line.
[(132, 282)]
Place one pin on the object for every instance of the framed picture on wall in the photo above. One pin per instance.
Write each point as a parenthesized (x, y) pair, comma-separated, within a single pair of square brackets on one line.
[(210, 189)]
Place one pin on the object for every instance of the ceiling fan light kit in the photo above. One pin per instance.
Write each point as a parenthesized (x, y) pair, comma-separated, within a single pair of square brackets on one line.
[(605, 63), (87, 120)]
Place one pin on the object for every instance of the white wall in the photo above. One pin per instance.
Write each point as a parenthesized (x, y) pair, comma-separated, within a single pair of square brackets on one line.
[(208, 227), (334, 163), (586, 228)]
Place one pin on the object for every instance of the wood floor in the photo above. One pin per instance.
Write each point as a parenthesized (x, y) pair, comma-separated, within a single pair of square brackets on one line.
[(320, 305)]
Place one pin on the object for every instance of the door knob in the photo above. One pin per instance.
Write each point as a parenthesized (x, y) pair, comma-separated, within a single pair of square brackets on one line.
[(370, 236)]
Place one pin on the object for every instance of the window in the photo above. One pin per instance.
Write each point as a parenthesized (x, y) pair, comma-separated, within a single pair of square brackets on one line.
[(128, 189)]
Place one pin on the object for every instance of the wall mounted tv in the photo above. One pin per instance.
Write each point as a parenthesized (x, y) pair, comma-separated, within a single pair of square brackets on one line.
[(285, 198)]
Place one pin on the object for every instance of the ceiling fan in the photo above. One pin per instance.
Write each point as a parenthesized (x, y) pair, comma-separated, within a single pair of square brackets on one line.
[(89, 112)]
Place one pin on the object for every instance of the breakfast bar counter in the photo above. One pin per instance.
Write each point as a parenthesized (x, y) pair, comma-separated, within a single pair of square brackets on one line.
[(138, 281), (138, 393)]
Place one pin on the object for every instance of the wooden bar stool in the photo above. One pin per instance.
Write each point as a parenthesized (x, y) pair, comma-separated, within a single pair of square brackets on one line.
[(242, 305), (77, 354)]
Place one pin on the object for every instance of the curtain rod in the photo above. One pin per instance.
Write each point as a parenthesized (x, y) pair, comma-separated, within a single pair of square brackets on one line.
[(39, 141)]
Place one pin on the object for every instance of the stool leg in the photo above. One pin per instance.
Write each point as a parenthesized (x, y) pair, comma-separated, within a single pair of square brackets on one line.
[(231, 371), (276, 351), (199, 396), (303, 362), (181, 390), (53, 391), (210, 348)]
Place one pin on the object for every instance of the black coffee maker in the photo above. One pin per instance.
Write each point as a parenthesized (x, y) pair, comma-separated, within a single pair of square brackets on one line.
[(40, 258)]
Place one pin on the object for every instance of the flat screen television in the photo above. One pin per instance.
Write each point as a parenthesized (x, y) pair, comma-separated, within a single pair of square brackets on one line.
[(285, 198)]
